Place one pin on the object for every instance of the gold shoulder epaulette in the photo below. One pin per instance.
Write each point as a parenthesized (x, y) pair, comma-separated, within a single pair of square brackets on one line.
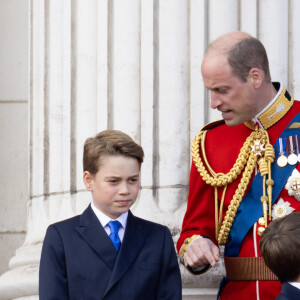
[(213, 124)]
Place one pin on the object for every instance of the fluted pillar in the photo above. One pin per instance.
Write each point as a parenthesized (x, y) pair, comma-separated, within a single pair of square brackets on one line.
[(131, 65)]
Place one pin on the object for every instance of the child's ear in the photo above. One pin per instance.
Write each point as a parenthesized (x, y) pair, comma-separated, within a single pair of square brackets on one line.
[(88, 180)]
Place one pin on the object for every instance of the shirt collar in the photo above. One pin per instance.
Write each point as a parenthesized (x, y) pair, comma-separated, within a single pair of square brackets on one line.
[(295, 284), (275, 110), (104, 219)]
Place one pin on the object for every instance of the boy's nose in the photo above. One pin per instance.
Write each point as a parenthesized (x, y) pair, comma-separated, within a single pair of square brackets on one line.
[(124, 189)]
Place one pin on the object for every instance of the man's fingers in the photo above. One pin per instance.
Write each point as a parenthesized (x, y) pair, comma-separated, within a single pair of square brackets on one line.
[(188, 260), (216, 252), (202, 252), (208, 248), (209, 256), (194, 258)]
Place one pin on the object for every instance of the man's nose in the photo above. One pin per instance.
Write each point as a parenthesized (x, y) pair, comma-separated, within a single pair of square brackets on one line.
[(215, 101)]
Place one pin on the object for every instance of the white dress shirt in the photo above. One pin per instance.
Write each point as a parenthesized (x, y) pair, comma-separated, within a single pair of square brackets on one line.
[(104, 219)]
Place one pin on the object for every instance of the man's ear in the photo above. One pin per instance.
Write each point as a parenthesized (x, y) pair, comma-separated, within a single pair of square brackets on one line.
[(255, 77), (88, 180)]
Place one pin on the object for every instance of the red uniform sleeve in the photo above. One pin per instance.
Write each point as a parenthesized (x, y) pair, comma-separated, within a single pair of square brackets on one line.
[(200, 214)]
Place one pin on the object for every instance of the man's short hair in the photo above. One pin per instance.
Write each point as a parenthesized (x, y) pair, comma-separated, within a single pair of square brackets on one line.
[(280, 247), (247, 54), (109, 143)]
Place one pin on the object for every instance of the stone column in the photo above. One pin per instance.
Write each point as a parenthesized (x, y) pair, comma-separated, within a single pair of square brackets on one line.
[(94, 65), (131, 65)]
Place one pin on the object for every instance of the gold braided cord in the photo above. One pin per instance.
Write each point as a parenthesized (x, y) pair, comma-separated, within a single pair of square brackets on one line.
[(236, 200), (252, 149), (218, 215), (269, 154), (218, 179), (221, 205), (216, 212)]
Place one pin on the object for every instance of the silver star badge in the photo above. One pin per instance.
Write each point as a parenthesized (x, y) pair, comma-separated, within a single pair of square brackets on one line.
[(281, 209), (257, 148), (293, 184)]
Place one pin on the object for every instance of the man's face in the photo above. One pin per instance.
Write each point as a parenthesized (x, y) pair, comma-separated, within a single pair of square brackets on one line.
[(115, 186), (232, 97)]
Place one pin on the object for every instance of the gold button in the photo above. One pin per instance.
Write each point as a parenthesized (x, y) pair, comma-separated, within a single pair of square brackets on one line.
[(261, 221), (260, 230)]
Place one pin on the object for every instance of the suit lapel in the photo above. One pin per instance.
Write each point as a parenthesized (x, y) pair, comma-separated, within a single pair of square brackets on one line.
[(131, 246), (91, 230)]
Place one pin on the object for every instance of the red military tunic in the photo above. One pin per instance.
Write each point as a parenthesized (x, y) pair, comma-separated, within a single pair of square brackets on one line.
[(222, 147)]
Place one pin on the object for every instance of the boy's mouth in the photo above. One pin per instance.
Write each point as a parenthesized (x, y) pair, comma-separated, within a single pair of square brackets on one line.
[(123, 202)]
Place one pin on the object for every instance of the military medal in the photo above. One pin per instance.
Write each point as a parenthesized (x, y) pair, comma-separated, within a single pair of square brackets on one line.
[(297, 145), (292, 158), (293, 185), (281, 209), (282, 159)]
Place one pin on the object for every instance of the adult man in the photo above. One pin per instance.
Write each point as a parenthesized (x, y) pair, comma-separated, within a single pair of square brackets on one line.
[(226, 204)]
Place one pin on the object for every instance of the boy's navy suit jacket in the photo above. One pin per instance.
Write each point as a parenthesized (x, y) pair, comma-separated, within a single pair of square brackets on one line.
[(79, 261), (288, 292)]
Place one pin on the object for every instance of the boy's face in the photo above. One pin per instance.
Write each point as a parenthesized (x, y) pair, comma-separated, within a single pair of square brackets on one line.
[(115, 186)]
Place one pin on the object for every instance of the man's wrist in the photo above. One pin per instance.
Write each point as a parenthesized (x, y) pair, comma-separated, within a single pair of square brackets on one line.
[(187, 242), (184, 247)]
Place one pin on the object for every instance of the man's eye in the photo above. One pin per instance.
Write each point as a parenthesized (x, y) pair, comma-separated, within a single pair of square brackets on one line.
[(222, 91)]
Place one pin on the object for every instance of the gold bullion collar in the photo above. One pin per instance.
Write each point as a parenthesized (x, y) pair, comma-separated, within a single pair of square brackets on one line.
[(275, 110)]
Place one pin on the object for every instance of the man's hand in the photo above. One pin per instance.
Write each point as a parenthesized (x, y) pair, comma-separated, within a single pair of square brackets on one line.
[(201, 253)]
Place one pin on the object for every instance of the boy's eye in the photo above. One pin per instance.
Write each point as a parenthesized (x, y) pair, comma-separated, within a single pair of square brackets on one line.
[(113, 181), (133, 180)]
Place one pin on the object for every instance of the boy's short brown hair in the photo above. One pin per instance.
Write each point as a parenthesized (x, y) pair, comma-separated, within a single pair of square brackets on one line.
[(109, 143), (280, 247)]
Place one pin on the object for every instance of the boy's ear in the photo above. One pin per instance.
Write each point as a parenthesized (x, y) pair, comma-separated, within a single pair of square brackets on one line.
[(88, 180)]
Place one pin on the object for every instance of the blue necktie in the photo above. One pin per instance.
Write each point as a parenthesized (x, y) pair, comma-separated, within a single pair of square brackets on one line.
[(114, 229)]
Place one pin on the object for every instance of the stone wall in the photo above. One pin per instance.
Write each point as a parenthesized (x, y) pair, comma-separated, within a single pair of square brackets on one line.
[(132, 65), (13, 127)]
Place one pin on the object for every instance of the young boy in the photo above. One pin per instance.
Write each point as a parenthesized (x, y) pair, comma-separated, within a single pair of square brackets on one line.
[(280, 248), (107, 253)]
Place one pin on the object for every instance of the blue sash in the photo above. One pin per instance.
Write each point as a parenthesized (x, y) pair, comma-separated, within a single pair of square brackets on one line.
[(250, 209)]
